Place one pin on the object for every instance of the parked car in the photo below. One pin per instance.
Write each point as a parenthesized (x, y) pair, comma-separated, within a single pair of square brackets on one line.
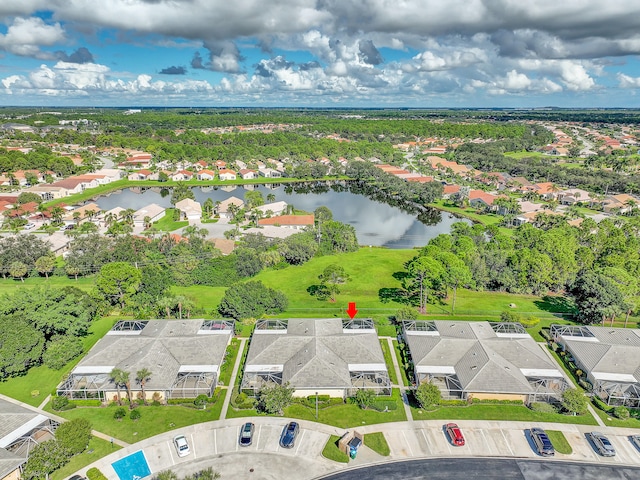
[(635, 440), (182, 446), (455, 434), (29, 226), (246, 435), (601, 444), (542, 442), (288, 436), (77, 477)]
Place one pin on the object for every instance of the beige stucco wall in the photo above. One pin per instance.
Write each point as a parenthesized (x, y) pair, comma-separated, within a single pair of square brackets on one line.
[(333, 392), (15, 475)]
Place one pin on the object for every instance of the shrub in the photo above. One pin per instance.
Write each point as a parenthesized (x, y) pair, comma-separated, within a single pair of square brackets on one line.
[(585, 384), (135, 414), (600, 404), (365, 398), (621, 412), (544, 333), (578, 373), (95, 474), (529, 322), (428, 395), (120, 413), (74, 435), (35, 393), (201, 401), (543, 407), (60, 403), (510, 317), (453, 403)]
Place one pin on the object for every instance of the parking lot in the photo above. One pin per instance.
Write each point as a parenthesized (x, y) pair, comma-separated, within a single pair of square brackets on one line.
[(432, 441)]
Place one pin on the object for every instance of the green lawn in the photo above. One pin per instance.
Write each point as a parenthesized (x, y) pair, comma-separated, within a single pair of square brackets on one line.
[(377, 443), (154, 420), (43, 379), (343, 416), (229, 361), (388, 361), (612, 421), (9, 285), (515, 413), (559, 442), (97, 449), (524, 154), (403, 372), (168, 224), (332, 452), (207, 298)]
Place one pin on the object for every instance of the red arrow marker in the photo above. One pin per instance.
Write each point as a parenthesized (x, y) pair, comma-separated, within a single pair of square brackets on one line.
[(351, 311)]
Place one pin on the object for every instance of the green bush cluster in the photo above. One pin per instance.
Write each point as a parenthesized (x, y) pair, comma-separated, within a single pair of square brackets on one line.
[(242, 401), (95, 474), (453, 403), (621, 412), (543, 407), (513, 317), (62, 403), (477, 401)]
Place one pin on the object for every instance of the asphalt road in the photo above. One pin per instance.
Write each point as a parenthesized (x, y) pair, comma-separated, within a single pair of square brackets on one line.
[(487, 468)]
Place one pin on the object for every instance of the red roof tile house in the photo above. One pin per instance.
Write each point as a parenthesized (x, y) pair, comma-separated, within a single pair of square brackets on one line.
[(297, 222), (480, 199), (142, 174), (206, 174), (226, 174), (247, 174), (182, 176)]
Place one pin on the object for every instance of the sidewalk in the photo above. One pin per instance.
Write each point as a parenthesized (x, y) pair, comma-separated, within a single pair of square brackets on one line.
[(403, 389)]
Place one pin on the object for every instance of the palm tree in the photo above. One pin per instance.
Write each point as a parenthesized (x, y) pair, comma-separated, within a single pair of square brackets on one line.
[(271, 198), (142, 377), (119, 377), (167, 303), (56, 213)]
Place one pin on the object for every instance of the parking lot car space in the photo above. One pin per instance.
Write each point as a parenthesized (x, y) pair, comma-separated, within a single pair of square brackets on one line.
[(582, 449), (161, 456), (437, 442), (227, 439), (403, 443), (310, 443), (519, 444), (625, 451), (203, 443), (268, 437)]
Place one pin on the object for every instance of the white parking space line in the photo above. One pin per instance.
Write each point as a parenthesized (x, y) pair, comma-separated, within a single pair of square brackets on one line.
[(173, 462), (408, 443), (506, 441), (485, 441), (193, 444), (258, 439), (446, 441), (427, 441), (300, 442), (215, 440)]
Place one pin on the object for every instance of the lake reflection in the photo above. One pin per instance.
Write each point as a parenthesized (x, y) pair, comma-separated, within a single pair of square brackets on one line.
[(376, 223)]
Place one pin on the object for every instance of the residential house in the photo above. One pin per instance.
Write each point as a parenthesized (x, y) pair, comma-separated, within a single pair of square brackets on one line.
[(546, 190), (481, 199), (181, 176), (226, 174), (297, 222), (247, 174), (142, 174), (272, 209), (621, 203), (223, 207), (572, 196), (220, 164), (449, 190), (200, 164), (76, 184), (80, 214), (189, 209), (206, 174), (269, 172), (48, 192), (154, 211)]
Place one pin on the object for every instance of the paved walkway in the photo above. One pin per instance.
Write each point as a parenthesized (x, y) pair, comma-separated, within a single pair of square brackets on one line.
[(232, 382), (403, 389)]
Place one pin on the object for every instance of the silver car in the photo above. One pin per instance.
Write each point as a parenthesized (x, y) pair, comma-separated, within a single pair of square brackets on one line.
[(601, 444), (635, 440)]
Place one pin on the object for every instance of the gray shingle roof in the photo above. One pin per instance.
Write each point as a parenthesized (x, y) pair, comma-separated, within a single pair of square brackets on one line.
[(315, 352), (163, 346), (9, 462), (13, 416)]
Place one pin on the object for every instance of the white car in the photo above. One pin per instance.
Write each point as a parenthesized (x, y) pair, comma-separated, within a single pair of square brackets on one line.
[(182, 446), (29, 226)]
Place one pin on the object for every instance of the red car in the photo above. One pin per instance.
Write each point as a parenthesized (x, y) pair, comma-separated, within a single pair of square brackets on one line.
[(455, 434)]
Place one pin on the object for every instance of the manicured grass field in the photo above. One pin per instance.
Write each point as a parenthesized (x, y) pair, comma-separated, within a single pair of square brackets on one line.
[(97, 449), (377, 443), (153, 420), (403, 373), (612, 421), (9, 285), (229, 361), (559, 442), (332, 452), (168, 224), (343, 416), (515, 413), (388, 361)]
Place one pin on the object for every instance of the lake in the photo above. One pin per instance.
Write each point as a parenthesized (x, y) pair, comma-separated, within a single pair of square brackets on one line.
[(376, 223)]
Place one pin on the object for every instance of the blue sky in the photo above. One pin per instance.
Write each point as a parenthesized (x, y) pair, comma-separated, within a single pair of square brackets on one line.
[(338, 53)]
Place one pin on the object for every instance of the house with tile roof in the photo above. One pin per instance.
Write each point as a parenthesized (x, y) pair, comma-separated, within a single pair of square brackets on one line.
[(297, 222), (189, 209), (226, 174), (206, 174), (248, 174), (184, 357), (482, 360), (610, 358), (154, 211), (326, 356), (222, 209)]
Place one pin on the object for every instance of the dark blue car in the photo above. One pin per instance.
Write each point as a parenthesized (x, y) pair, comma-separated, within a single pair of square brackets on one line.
[(542, 442), (288, 437)]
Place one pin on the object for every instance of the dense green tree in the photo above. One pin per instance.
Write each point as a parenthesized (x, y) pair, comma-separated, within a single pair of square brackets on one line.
[(74, 435), (275, 398), (180, 192), (155, 280), (574, 401), (248, 262), (597, 298), (21, 346), (45, 264), (332, 276), (298, 248), (44, 459), (425, 274), (117, 281), (428, 395), (253, 199), (365, 398), (337, 237), (25, 249), (251, 300), (27, 197), (61, 350)]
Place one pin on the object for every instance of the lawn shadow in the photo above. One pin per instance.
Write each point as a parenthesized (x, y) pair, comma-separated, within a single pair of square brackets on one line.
[(397, 295), (559, 306)]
